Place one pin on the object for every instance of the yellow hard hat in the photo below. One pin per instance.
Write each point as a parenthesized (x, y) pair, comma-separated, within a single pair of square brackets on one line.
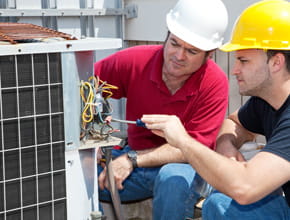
[(263, 25)]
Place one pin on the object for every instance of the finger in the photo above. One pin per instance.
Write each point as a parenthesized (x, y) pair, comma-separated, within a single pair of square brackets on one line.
[(156, 127), (158, 132), (119, 185), (102, 179), (108, 119), (233, 158), (154, 118), (99, 155), (241, 157), (107, 184), (103, 164)]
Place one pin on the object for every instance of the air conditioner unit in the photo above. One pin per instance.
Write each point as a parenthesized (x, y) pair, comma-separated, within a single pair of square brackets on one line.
[(43, 174)]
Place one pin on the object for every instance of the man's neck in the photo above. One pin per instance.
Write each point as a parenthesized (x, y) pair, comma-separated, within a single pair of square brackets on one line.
[(173, 83), (278, 97)]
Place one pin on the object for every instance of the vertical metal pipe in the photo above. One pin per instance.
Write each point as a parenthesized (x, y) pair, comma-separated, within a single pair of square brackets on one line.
[(112, 185)]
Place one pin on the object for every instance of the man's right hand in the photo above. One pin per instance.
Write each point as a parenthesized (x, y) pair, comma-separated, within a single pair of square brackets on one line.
[(122, 168)]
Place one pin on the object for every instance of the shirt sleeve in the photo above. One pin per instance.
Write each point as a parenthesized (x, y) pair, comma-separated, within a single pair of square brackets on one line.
[(114, 70), (279, 143), (250, 115)]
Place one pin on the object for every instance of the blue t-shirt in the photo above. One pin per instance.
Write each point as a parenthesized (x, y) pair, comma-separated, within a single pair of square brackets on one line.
[(259, 117)]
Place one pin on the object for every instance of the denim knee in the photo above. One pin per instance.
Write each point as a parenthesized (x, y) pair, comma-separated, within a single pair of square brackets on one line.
[(173, 198), (219, 206), (214, 206), (174, 176)]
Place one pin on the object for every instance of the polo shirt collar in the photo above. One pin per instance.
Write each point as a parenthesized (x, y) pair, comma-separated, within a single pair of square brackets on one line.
[(191, 86)]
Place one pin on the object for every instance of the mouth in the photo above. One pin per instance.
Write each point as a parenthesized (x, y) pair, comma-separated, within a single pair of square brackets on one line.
[(177, 63), (239, 80)]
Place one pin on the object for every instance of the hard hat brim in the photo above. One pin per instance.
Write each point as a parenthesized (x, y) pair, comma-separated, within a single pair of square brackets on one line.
[(229, 47)]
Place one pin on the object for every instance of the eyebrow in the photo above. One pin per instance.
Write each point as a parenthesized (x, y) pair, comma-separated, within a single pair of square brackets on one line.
[(240, 57), (175, 41), (191, 48)]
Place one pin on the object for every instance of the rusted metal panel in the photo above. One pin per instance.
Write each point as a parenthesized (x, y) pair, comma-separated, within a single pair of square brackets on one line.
[(18, 32)]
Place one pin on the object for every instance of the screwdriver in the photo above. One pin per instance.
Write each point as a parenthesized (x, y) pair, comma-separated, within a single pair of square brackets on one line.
[(138, 122)]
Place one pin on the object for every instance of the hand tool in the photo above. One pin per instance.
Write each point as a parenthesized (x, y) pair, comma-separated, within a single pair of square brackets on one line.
[(138, 122)]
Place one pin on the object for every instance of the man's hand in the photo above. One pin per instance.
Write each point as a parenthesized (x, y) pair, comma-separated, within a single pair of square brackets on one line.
[(230, 151), (122, 168), (166, 126)]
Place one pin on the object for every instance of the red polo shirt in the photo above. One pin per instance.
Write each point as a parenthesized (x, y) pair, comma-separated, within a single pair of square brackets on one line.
[(200, 104)]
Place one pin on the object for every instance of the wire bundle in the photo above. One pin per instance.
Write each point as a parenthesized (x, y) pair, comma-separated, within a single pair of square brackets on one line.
[(95, 108)]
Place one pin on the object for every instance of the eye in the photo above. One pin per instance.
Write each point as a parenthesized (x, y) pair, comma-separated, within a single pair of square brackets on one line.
[(242, 60), (193, 52), (174, 44)]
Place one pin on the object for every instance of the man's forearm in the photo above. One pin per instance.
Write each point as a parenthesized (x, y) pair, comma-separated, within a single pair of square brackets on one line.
[(221, 172), (159, 156), (233, 133)]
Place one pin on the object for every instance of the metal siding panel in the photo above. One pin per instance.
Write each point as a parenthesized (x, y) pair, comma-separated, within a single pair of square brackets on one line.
[(150, 25), (31, 20), (221, 58), (68, 4), (234, 9), (69, 25), (235, 99), (25, 4)]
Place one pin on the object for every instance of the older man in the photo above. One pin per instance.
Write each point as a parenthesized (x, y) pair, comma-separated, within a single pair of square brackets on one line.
[(179, 78)]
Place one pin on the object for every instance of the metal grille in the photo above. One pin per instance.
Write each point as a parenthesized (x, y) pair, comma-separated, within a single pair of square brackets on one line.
[(32, 152)]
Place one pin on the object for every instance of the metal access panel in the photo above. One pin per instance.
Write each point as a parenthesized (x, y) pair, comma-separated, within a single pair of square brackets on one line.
[(43, 174)]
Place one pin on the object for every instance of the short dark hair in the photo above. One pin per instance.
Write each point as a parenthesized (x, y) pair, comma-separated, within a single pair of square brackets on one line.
[(167, 36), (286, 54)]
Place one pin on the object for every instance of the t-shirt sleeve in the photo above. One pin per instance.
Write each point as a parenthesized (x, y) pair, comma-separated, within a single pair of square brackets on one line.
[(279, 143), (249, 115)]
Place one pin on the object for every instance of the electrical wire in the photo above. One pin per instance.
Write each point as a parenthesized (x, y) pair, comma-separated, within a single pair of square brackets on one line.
[(95, 107)]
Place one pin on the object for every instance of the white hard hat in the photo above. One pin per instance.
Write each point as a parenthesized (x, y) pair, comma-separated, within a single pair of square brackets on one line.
[(200, 23)]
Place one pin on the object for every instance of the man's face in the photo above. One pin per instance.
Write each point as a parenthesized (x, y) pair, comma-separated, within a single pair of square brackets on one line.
[(181, 58), (252, 72)]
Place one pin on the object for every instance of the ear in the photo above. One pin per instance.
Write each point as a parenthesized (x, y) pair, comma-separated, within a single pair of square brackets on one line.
[(210, 54), (277, 62)]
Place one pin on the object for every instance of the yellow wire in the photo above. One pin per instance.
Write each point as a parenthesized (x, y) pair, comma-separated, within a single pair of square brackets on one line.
[(88, 114)]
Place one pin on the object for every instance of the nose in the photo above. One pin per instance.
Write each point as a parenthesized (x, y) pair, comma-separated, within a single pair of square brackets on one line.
[(236, 69), (180, 53)]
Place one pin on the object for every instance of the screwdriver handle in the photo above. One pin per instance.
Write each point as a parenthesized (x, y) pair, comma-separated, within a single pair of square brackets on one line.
[(140, 123)]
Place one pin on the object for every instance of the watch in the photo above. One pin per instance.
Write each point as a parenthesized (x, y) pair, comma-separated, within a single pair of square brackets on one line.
[(132, 155)]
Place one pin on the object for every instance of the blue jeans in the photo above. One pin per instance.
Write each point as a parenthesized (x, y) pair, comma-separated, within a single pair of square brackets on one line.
[(219, 206), (170, 186)]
